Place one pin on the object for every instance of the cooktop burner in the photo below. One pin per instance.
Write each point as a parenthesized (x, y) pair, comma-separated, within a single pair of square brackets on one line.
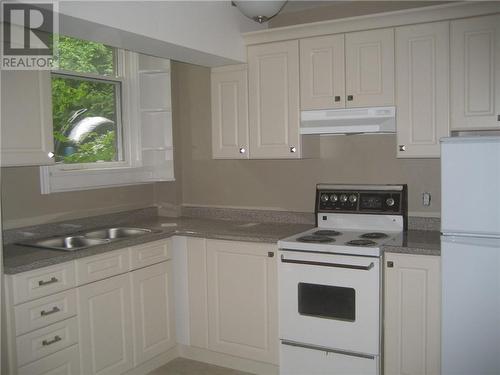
[(360, 243), (317, 239), (374, 235), (326, 232)]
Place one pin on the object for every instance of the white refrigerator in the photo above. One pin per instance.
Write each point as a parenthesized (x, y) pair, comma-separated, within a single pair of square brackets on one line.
[(470, 255)]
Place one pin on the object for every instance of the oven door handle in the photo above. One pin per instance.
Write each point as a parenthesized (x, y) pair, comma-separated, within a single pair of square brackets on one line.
[(325, 349), (325, 264)]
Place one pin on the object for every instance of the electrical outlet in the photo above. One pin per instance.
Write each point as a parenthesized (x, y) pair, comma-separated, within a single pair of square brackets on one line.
[(426, 199)]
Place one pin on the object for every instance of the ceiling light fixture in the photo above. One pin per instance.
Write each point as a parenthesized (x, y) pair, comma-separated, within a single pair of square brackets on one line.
[(259, 11)]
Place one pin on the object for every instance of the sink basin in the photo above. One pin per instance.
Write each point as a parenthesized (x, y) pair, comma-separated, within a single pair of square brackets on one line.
[(69, 243), (116, 233)]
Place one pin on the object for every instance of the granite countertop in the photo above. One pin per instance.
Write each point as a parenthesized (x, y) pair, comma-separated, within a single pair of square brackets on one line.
[(19, 258)]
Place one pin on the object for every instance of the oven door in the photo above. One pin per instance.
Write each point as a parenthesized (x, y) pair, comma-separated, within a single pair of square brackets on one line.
[(330, 300)]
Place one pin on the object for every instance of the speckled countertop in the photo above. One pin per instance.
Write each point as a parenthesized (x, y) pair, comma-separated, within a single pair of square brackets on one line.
[(19, 258)]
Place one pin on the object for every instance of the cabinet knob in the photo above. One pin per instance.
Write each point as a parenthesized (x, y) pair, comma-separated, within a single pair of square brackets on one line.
[(293, 149), (402, 147), (390, 264), (270, 254), (337, 98), (350, 97), (243, 150)]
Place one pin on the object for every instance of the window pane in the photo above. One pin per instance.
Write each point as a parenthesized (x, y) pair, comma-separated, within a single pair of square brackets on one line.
[(85, 117), (83, 56)]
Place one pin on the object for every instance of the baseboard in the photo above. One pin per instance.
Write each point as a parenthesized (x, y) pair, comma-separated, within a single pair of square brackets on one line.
[(225, 360), (155, 362)]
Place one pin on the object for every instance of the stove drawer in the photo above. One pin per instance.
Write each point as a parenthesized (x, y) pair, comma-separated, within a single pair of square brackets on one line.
[(300, 359), (330, 300)]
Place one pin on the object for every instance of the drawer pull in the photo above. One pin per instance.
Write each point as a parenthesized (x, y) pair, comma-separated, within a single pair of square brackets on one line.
[(53, 311), (51, 281), (53, 341)]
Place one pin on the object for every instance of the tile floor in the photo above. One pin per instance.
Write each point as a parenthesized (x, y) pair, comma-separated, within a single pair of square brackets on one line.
[(182, 366)]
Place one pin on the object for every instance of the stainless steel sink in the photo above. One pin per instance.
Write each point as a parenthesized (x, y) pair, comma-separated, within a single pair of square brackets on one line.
[(116, 233), (68, 243), (86, 240)]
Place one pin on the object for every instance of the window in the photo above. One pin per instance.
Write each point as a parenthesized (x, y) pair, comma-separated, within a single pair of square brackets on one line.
[(86, 104)]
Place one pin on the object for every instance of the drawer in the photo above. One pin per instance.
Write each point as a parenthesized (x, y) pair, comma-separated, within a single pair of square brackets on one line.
[(45, 281), (44, 311), (101, 266), (45, 341), (64, 362), (150, 253)]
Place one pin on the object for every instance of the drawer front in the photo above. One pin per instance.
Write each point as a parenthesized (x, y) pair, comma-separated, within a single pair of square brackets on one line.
[(64, 362), (101, 266), (43, 282), (45, 311), (148, 254), (45, 341)]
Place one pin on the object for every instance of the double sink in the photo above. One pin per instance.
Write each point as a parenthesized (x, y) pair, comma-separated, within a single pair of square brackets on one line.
[(87, 239)]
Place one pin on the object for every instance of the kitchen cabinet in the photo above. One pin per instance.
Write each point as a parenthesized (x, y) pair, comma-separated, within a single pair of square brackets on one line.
[(475, 73), (422, 89), (153, 313), (412, 325), (26, 116), (273, 100), (322, 72), (347, 70), (230, 112), (105, 325), (242, 299)]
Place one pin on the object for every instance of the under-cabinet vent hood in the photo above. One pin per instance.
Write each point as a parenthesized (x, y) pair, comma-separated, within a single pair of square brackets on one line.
[(348, 121)]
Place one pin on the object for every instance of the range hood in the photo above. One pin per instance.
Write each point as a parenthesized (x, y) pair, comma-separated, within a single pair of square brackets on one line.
[(349, 121)]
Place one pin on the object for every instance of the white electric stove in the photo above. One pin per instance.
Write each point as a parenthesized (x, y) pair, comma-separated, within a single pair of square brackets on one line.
[(330, 280)]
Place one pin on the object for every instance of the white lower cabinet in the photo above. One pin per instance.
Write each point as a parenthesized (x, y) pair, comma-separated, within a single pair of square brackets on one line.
[(412, 323), (64, 362), (105, 322), (153, 313)]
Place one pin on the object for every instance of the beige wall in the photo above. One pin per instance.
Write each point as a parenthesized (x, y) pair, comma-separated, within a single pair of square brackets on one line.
[(287, 184)]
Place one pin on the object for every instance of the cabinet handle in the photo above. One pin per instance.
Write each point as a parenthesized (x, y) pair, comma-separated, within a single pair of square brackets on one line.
[(350, 97), (270, 254), (337, 98), (402, 148), (51, 281), (243, 150), (390, 264), (293, 149), (53, 311), (498, 117), (53, 341)]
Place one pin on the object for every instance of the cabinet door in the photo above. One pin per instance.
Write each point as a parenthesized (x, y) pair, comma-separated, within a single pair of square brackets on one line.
[(322, 72), (152, 295), (475, 73), (230, 112), (105, 325), (370, 68), (273, 82), (242, 300), (412, 314), (26, 137), (422, 53)]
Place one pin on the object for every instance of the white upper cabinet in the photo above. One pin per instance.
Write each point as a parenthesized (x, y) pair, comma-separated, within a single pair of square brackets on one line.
[(322, 72), (273, 83), (475, 73), (230, 112), (422, 88), (26, 134), (370, 68)]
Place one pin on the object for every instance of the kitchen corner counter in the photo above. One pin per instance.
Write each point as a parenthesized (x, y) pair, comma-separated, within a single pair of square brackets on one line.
[(418, 242), (19, 258)]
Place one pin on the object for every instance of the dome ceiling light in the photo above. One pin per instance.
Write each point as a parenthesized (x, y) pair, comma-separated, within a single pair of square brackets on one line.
[(259, 11)]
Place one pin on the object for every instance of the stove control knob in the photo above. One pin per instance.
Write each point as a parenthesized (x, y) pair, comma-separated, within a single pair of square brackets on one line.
[(390, 202), (334, 198), (324, 198), (353, 198), (343, 198)]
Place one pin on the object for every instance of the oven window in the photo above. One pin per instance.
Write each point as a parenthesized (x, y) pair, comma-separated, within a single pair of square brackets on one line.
[(325, 301)]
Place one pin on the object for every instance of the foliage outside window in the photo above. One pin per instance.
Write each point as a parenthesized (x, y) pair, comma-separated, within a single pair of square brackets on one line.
[(86, 95)]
